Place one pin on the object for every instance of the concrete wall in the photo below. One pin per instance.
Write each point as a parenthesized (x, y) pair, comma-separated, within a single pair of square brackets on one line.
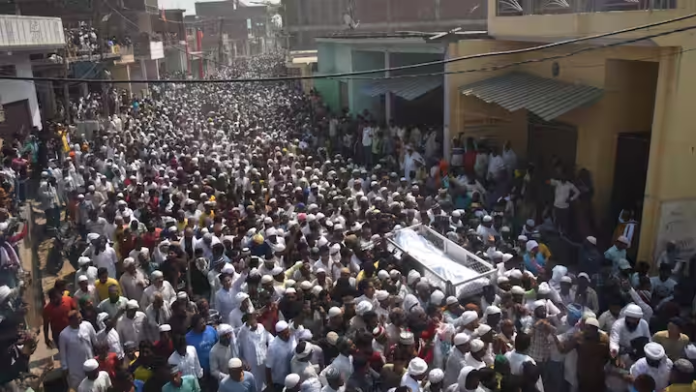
[(363, 61), (18, 90), (627, 106)]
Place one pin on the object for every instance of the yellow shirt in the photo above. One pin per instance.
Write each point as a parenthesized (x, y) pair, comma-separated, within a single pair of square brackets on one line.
[(673, 348), (544, 250), (142, 373), (201, 220), (681, 387), (103, 288)]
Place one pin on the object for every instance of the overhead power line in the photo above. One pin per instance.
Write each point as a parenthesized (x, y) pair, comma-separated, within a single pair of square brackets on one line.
[(414, 66)]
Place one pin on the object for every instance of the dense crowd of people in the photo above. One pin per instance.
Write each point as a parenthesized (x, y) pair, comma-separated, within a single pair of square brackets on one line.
[(237, 242)]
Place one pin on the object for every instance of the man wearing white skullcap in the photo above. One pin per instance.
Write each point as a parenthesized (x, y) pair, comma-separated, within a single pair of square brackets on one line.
[(133, 281), (435, 378), (417, 371), (157, 284), (74, 349), (291, 383), (456, 360), (223, 352), (280, 352), (244, 306), (630, 326), (95, 380), (469, 321), (474, 357), (238, 379), (86, 269), (655, 364), (253, 341), (131, 327)]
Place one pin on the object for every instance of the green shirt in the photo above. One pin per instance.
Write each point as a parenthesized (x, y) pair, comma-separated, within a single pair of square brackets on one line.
[(188, 384)]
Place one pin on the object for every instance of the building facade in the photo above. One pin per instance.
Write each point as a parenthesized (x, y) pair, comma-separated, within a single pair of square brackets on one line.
[(306, 20), (617, 107)]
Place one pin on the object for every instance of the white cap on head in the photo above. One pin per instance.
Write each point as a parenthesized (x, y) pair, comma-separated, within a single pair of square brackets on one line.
[(592, 240), (461, 338), (281, 326), (451, 300), (436, 297), (544, 289), (132, 304), (517, 290), (413, 276), (165, 328), (592, 321), (291, 380), (566, 279), (515, 274), (502, 279), (634, 311), (83, 260), (476, 345), (83, 278), (234, 363), (654, 351), (382, 295), (224, 329), (507, 257), (90, 365), (493, 310), (363, 307), (482, 330), (335, 311), (488, 218), (417, 367), (436, 375), (468, 317), (538, 304)]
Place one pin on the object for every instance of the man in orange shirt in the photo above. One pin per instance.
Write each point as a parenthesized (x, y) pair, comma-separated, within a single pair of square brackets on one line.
[(55, 314)]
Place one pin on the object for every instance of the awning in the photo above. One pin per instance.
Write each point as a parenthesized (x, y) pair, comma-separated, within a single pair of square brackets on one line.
[(408, 88), (547, 98)]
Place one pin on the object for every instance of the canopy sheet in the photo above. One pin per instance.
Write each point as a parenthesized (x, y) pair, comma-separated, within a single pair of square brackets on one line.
[(435, 259)]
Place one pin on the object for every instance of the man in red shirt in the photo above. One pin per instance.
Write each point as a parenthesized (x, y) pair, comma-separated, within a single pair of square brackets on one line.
[(55, 314)]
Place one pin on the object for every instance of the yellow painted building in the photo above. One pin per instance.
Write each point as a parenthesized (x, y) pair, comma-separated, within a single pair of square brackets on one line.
[(626, 113)]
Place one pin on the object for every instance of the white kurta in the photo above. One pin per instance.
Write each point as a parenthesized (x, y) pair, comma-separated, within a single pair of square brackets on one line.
[(280, 353), (106, 259), (75, 349), (100, 384), (134, 285), (253, 347), (188, 364), (220, 356), (132, 330), (112, 340), (90, 273), (225, 303), (167, 291)]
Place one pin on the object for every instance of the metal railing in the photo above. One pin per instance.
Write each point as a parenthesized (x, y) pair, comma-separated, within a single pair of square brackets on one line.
[(542, 7)]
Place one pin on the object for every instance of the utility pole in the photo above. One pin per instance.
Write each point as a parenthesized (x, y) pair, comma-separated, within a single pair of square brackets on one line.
[(220, 56)]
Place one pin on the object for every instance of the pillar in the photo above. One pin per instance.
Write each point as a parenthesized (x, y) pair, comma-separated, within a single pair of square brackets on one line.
[(388, 96), (446, 134)]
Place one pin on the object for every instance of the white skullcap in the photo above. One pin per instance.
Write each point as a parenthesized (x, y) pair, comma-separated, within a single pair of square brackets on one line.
[(156, 275), (227, 269), (476, 345), (544, 288), (290, 290), (316, 290), (291, 380), (382, 295), (128, 261), (280, 248), (633, 310), (417, 367), (132, 304), (487, 218), (413, 276), (181, 295), (436, 297), (268, 220), (530, 222), (493, 310), (234, 363), (468, 317), (690, 351), (165, 328), (592, 240), (566, 279), (592, 321), (522, 238), (83, 278), (383, 275), (482, 330), (451, 300), (241, 296), (306, 285), (281, 326), (507, 257), (654, 351), (271, 231), (502, 279), (531, 245), (516, 274), (363, 307), (224, 329), (498, 254), (83, 261), (436, 375), (334, 311), (266, 279), (276, 271), (461, 338), (90, 365), (584, 275), (517, 290)]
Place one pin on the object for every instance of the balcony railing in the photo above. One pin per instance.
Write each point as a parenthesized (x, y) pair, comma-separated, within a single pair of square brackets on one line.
[(541, 7)]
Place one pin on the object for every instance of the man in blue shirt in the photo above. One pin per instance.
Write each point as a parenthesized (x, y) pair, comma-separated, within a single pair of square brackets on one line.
[(238, 380), (202, 337), (180, 383)]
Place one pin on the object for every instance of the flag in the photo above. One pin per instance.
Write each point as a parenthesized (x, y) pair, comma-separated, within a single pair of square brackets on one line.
[(164, 15)]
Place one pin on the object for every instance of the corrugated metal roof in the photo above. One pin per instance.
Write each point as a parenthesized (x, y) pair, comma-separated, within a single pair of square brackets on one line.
[(406, 88), (547, 98)]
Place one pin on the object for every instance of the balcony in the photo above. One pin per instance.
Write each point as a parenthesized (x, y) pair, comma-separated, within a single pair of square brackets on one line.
[(149, 48), (545, 7)]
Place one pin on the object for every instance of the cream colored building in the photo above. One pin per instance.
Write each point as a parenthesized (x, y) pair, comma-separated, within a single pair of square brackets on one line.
[(627, 113)]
